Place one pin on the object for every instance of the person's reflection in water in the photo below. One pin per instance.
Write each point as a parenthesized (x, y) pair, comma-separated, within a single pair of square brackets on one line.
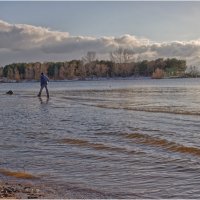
[(42, 101)]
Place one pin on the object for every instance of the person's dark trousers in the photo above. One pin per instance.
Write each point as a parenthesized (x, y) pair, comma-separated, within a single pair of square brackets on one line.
[(43, 86)]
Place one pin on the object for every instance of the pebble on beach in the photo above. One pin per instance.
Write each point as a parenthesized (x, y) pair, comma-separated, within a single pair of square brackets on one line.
[(19, 191)]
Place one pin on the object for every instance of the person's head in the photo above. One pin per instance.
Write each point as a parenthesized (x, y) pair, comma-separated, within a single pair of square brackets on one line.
[(42, 73)]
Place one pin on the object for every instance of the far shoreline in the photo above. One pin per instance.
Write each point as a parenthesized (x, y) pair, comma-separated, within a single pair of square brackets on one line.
[(97, 79)]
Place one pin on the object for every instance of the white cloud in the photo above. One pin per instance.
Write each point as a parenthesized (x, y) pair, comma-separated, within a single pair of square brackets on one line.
[(27, 43), (25, 37)]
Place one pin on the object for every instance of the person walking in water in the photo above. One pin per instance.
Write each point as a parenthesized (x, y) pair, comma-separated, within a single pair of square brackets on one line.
[(43, 83)]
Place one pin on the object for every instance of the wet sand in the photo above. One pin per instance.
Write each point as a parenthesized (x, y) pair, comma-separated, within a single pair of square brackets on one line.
[(24, 191), (23, 185)]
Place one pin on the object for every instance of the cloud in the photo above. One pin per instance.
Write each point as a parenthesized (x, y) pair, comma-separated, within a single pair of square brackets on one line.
[(27, 43), (176, 49), (25, 37)]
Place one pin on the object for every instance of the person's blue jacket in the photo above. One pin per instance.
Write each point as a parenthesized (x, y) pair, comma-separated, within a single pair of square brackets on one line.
[(43, 79)]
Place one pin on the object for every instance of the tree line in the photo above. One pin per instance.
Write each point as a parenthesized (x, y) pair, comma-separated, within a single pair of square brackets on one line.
[(90, 68)]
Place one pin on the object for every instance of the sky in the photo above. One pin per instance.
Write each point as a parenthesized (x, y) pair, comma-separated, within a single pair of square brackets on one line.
[(32, 31)]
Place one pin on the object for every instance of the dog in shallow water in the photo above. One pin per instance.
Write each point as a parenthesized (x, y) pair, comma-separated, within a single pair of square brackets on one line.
[(9, 92)]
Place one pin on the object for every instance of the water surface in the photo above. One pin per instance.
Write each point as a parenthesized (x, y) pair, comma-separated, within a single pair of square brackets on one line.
[(127, 138)]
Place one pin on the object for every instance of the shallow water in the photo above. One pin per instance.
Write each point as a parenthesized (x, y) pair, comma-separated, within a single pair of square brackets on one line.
[(125, 138)]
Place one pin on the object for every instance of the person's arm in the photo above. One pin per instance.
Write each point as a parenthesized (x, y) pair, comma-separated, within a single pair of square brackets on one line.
[(47, 78)]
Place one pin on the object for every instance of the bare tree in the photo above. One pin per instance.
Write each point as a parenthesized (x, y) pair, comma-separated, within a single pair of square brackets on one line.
[(193, 71), (90, 57), (122, 55)]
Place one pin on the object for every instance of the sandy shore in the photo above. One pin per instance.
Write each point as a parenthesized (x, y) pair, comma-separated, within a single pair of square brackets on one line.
[(14, 190), (23, 185), (23, 190)]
